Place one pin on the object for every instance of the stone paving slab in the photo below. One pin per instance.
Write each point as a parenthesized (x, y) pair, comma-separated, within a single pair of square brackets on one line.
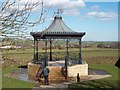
[(61, 86), (93, 77), (64, 85)]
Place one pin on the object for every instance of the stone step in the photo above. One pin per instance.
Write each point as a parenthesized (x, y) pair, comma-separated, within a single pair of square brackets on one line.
[(60, 75), (56, 78), (56, 75)]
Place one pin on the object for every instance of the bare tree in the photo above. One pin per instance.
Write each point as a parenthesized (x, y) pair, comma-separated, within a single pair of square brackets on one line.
[(17, 15)]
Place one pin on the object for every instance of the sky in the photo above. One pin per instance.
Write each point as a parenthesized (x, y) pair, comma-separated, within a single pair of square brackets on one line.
[(98, 19)]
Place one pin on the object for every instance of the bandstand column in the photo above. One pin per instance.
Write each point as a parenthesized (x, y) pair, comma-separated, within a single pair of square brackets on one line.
[(66, 59), (34, 50), (50, 50), (37, 50), (80, 56), (46, 46), (46, 52)]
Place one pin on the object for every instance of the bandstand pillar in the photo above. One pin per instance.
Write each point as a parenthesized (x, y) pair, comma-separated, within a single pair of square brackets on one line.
[(45, 53), (66, 59), (80, 56), (35, 51), (50, 50)]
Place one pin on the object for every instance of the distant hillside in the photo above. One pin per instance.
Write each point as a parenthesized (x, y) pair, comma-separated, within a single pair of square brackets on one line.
[(85, 44)]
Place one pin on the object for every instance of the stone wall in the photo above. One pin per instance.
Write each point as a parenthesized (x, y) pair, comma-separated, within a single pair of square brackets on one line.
[(55, 71), (82, 69), (32, 71), (54, 75)]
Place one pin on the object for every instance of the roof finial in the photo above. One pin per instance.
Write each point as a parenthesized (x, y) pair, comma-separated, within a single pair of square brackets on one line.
[(59, 11)]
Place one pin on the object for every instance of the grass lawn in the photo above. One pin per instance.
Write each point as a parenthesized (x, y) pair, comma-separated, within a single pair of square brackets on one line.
[(8, 82), (15, 83), (111, 82), (104, 58)]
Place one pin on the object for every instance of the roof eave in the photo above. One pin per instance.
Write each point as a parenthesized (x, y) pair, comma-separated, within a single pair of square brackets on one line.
[(57, 35)]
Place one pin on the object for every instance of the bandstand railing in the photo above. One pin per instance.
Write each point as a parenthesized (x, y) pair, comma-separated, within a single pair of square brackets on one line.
[(73, 57)]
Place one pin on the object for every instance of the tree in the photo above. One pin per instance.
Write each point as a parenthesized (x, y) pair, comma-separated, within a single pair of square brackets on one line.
[(16, 15)]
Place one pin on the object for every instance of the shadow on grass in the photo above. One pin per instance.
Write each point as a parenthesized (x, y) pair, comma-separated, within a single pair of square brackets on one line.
[(95, 84), (23, 66)]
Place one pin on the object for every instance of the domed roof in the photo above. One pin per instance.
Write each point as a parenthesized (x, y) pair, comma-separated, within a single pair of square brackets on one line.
[(58, 26), (58, 29)]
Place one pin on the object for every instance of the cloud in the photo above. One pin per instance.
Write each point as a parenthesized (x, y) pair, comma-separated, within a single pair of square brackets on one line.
[(95, 8), (71, 12), (30, 1), (70, 7), (65, 3), (102, 15), (95, 11)]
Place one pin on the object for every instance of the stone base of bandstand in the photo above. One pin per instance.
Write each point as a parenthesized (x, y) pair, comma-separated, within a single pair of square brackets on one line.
[(55, 74), (32, 71), (82, 69)]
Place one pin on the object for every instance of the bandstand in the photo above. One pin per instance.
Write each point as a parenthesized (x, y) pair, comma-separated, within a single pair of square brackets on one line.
[(57, 30)]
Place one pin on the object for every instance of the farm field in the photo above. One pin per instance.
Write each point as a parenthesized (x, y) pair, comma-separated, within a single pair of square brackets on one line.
[(90, 55)]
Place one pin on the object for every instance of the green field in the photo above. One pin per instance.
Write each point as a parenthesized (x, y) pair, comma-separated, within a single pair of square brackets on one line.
[(111, 82), (90, 55), (8, 82), (103, 59)]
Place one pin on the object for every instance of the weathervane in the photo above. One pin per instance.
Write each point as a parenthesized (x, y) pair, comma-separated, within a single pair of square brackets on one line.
[(60, 11)]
